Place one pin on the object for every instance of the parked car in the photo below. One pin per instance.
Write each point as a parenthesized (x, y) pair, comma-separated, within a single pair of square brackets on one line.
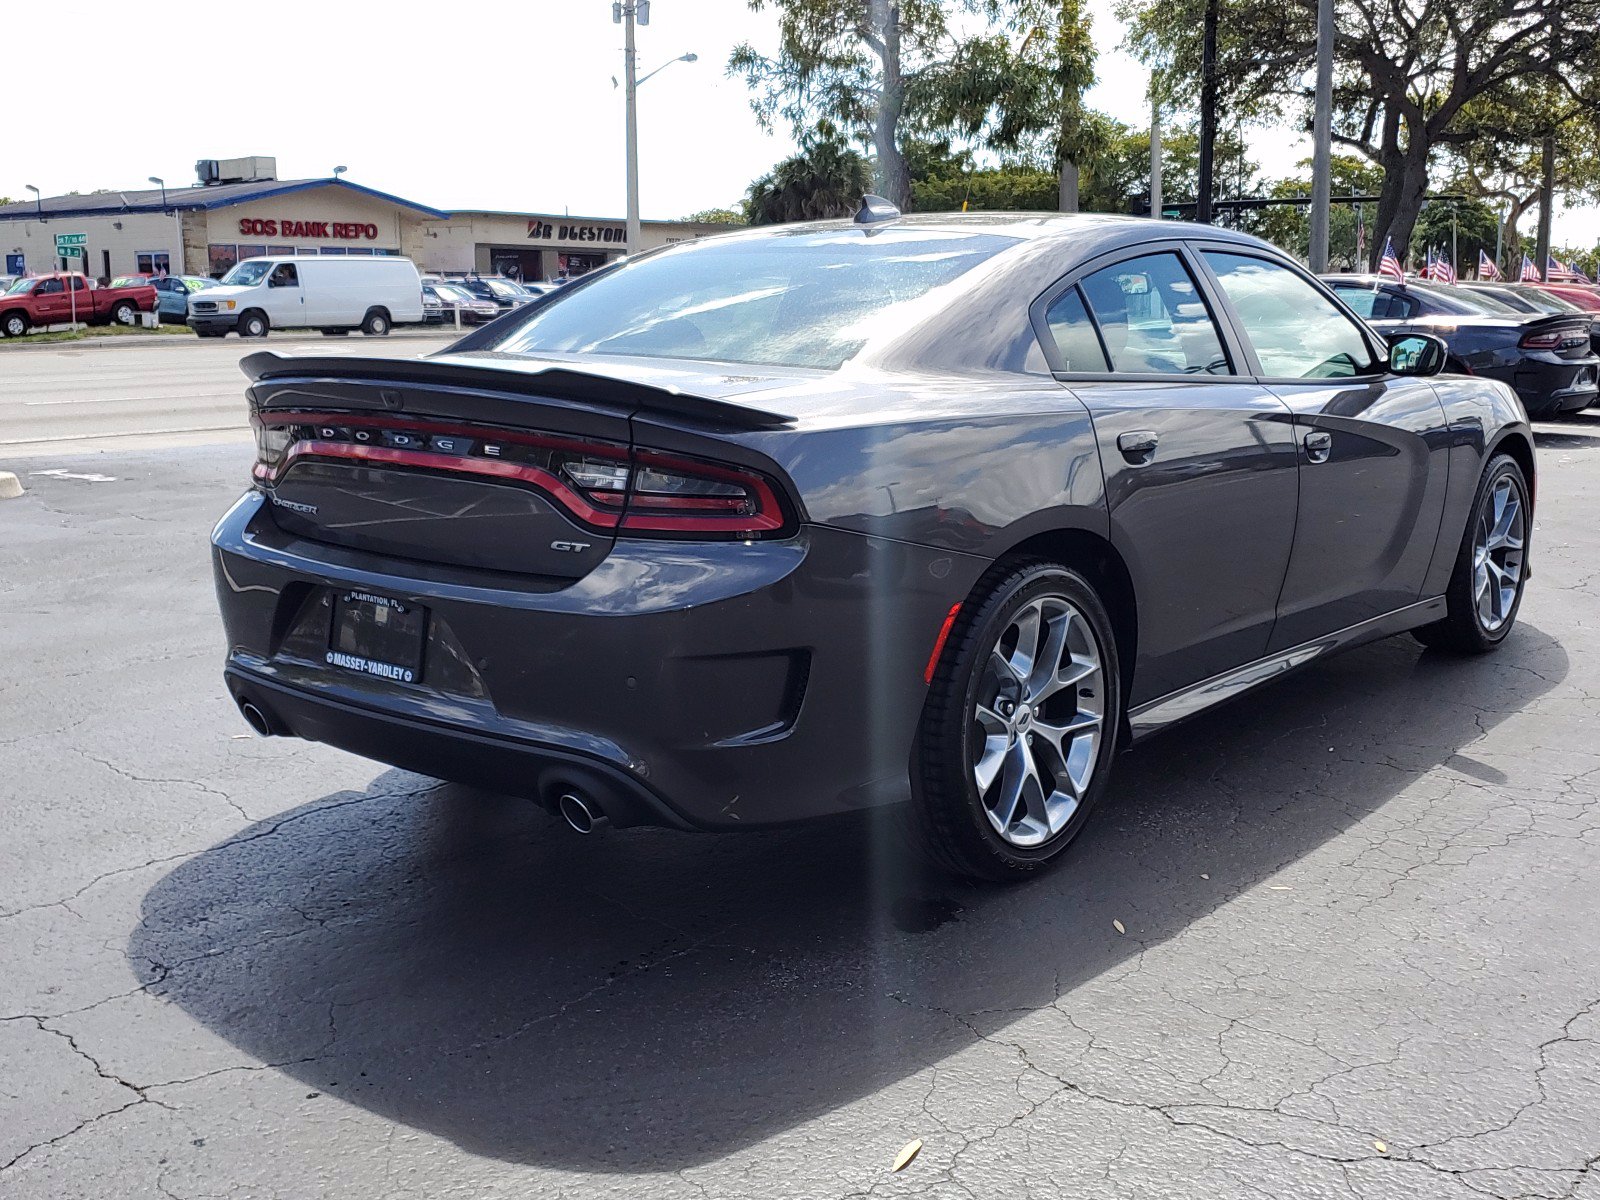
[(506, 293), (172, 292), (333, 294), (1547, 358), (440, 300), (1515, 298), (61, 296), (1577, 294), (938, 510)]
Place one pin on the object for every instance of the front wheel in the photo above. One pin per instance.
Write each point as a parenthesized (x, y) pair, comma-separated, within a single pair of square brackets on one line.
[(1020, 724), (253, 324), (1485, 589), (14, 324)]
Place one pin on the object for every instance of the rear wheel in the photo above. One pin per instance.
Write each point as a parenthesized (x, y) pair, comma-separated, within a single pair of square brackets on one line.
[(1020, 724), (253, 324), (1485, 589), (376, 323), (123, 312)]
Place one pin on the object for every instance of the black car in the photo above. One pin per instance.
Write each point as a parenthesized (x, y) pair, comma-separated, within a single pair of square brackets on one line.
[(1548, 357), (939, 510), (503, 292)]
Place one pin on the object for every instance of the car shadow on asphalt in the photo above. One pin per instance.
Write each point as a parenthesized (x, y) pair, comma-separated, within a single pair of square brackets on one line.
[(647, 1001), (1576, 431)]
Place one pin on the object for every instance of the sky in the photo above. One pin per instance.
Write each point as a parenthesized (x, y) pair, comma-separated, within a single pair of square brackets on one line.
[(492, 104)]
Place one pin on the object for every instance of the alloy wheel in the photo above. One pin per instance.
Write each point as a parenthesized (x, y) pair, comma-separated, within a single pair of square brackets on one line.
[(1037, 721), (1497, 552)]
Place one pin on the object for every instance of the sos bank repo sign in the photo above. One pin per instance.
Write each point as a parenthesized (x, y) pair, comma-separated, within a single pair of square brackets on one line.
[(350, 231)]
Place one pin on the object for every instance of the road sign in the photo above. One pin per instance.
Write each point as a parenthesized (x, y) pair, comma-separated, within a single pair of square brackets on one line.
[(70, 251), (70, 239)]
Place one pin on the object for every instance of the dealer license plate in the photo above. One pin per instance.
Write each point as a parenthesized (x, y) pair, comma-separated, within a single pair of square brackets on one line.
[(377, 636)]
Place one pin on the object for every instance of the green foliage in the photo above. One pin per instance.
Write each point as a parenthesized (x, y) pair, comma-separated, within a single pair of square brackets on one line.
[(1010, 189), (825, 179), (716, 216), (1475, 227)]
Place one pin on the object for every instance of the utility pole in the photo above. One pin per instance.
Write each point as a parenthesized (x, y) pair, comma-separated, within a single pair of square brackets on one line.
[(1322, 133), (625, 13), (1155, 158), (1208, 113), (1547, 197)]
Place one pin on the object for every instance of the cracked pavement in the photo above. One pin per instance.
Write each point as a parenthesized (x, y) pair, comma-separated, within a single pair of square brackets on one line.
[(1361, 954)]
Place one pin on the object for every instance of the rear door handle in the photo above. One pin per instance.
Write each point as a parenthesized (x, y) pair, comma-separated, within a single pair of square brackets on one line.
[(1319, 446), (1138, 445)]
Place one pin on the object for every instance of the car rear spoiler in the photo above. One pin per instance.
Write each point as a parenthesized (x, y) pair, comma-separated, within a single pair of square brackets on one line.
[(517, 376)]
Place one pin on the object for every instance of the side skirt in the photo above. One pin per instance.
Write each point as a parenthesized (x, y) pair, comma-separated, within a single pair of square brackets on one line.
[(1156, 715)]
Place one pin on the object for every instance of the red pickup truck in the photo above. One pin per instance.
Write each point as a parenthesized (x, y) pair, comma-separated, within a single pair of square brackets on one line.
[(53, 299)]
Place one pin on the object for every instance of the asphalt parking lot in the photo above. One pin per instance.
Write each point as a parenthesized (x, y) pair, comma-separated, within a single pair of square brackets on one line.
[(1358, 955)]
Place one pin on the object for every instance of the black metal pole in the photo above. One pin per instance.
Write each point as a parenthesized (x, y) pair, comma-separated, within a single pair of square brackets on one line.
[(1208, 114)]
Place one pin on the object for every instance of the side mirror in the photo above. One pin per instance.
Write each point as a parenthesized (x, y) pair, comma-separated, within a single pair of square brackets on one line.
[(1417, 354)]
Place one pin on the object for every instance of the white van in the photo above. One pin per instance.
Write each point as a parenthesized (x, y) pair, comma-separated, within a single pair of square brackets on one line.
[(333, 293)]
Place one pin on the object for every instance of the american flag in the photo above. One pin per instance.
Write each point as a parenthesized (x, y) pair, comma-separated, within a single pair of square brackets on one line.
[(1560, 272), (1390, 265), (1488, 268), (1361, 240), (1443, 271), (1530, 273)]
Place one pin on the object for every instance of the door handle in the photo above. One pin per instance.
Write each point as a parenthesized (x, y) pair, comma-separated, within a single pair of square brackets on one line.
[(1138, 446), (1319, 446)]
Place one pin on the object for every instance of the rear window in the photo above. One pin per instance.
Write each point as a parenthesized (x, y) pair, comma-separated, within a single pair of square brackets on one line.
[(803, 300)]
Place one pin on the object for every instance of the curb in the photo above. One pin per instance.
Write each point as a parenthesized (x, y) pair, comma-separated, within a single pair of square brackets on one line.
[(10, 486), (170, 339)]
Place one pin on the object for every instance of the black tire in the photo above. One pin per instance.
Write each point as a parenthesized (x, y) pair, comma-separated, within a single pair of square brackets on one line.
[(1464, 628), (950, 822), (14, 324), (376, 323), (122, 312), (253, 324)]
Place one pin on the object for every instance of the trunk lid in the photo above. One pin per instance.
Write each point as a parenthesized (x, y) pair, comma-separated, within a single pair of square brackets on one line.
[(481, 461)]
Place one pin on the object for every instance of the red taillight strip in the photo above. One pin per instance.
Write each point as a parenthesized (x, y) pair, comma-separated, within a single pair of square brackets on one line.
[(938, 642), (495, 468)]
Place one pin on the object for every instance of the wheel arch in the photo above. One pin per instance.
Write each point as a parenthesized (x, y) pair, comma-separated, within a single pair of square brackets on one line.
[(1519, 445), (1096, 559)]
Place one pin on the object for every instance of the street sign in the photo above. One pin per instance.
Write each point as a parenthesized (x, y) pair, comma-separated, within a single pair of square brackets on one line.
[(70, 251), (70, 239)]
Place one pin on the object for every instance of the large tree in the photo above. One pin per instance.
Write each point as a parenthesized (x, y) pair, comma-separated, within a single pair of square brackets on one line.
[(1405, 70), (858, 64)]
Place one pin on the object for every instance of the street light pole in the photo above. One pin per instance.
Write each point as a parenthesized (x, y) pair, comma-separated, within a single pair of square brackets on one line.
[(1322, 133), (626, 12), (1155, 159), (162, 184), (37, 203)]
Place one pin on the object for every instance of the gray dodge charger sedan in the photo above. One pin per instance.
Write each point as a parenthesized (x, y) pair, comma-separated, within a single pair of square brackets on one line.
[(937, 511)]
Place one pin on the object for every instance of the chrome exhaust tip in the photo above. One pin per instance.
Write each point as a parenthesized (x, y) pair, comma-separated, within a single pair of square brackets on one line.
[(582, 816), (256, 719)]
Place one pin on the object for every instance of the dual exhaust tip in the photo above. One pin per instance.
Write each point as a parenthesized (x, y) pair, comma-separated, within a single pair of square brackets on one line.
[(581, 815)]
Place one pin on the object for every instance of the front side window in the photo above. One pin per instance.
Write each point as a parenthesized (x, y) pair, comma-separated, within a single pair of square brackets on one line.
[(1153, 318), (1297, 332), (49, 287), (805, 299), (284, 275)]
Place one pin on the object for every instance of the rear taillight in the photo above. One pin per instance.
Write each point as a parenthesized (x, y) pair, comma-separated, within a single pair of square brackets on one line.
[(1551, 339), (605, 485)]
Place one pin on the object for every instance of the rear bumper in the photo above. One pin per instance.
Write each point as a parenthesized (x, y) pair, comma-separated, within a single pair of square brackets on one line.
[(1549, 385), (712, 685)]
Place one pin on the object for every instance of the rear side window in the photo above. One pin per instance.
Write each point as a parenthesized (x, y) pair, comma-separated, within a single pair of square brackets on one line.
[(1297, 332), (1153, 318), (1074, 335)]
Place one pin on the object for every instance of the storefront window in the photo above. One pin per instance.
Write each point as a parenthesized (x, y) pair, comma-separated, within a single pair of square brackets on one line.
[(359, 250), (153, 262), (249, 250), (220, 259), (573, 265), (303, 251), (334, 250), (280, 249)]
